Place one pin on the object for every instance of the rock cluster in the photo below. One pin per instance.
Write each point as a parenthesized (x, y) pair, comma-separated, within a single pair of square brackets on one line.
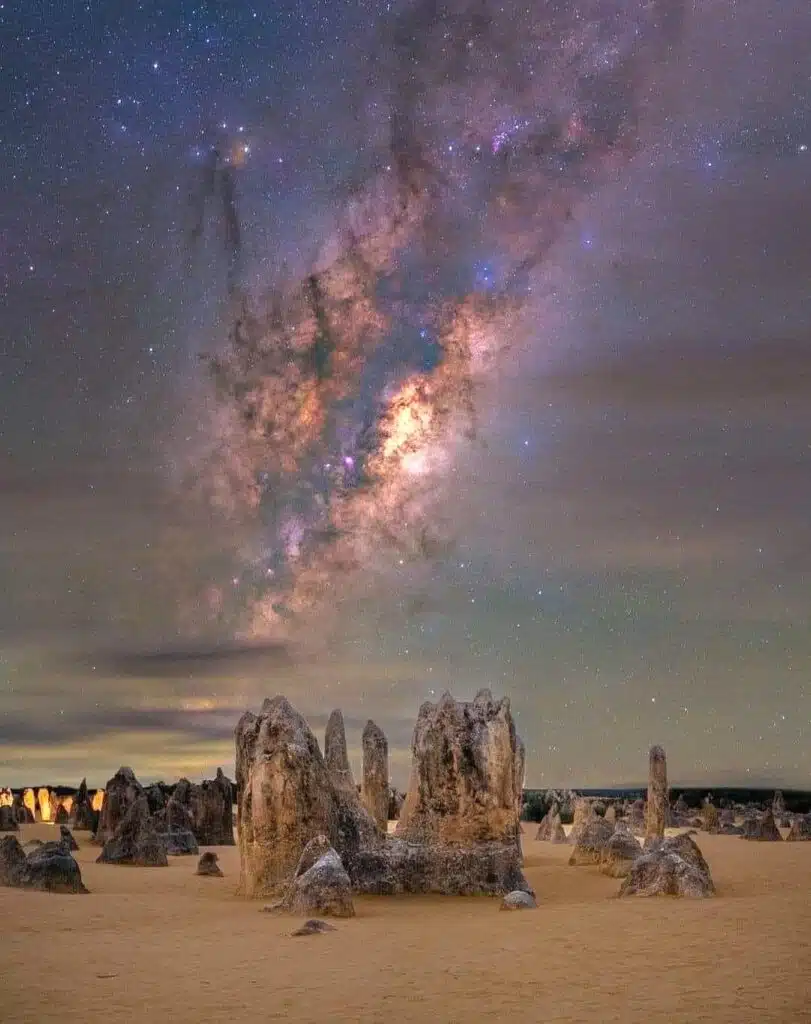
[(49, 867), (135, 839), (761, 829), (458, 828)]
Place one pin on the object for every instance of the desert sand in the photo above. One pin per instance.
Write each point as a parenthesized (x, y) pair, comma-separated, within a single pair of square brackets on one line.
[(162, 944)]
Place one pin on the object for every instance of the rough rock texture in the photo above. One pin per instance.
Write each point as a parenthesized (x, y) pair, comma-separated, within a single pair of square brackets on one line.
[(212, 810), (44, 804), (669, 867), (51, 868), (762, 830), (208, 866), (176, 816), (82, 816), (320, 885), (800, 829), (680, 812), (519, 900), (457, 833), (122, 791), (8, 819), (583, 812), (12, 861), (30, 801), (396, 801), (135, 840), (710, 820), (22, 814), (544, 833), (594, 835), (778, 804), (656, 814), (179, 842), (314, 927), (611, 814), (6, 797), (66, 837), (335, 754), (155, 797), (619, 854), (375, 785)]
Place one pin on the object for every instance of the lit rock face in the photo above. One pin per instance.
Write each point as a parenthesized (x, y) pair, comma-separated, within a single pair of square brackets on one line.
[(6, 798), (335, 752), (375, 786), (30, 802), (457, 833), (45, 804), (22, 814), (135, 839), (657, 808), (669, 867), (97, 801), (122, 791)]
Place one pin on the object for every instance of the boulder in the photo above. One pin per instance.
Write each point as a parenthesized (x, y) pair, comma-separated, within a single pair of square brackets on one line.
[(762, 830), (51, 868), (122, 792), (669, 867), (12, 861), (619, 854), (212, 810), (592, 840), (320, 885), (208, 866), (135, 840), (314, 927), (375, 786)]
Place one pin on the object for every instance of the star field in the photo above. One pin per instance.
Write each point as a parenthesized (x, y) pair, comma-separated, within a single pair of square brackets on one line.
[(620, 540)]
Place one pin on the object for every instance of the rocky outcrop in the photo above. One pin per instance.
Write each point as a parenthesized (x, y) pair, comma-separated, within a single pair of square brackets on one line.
[(710, 819), (6, 797), (396, 801), (669, 867), (594, 835), (212, 811), (619, 854), (123, 790), (657, 806), (457, 831), (8, 819), (49, 867), (583, 813), (135, 839), (155, 797), (800, 829), (44, 804), (762, 829), (375, 785), (82, 816), (320, 884), (208, 866), (335, 752), (544, 833)]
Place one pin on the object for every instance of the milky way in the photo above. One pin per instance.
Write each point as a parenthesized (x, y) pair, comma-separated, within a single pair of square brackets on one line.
[(344, 396)]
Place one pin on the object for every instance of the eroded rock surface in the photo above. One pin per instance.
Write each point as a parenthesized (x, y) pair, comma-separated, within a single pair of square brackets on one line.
[(669, 867), (122, 791), (208, 866), (762, 829), (800, 829), (619, 854), (375, 785), (212, 810), (8, 819), (320, 885), (66, 837), (657, 806), (335, 752), (49, 867), (135, 840), (594, 835), (519, 900), (82, 816)]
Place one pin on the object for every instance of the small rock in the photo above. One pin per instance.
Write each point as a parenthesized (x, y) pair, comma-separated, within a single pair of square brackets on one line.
[(314, 927), (208, 866), (519, 900)]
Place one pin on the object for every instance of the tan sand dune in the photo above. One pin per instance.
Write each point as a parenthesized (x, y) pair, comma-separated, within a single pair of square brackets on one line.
[(162, 944)]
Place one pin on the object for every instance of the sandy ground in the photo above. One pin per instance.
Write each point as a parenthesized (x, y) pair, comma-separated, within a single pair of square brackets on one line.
[(160, 944)]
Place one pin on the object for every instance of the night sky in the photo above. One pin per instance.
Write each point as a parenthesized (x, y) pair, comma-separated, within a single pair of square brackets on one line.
[(603, 508)]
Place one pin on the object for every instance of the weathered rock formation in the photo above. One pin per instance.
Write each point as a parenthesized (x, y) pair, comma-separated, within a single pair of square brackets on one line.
[(8, 819), (375, 786), (22, 815), (47, 868), (594, 834), (97, 801), (66, 837), (778, 805), (212, 811), (669, 867), (123, 790), (135, 839), (335, 752), (82, 816), (656, 811), (800, 829), (6, 798), (30, 801), (320, 885), (619, 854), (710, 819), (762, 830), (396, 801), (208, 866), (544, 832), (611, 814), (155, 797), (457, 832), (174, 823), (680, 812)]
